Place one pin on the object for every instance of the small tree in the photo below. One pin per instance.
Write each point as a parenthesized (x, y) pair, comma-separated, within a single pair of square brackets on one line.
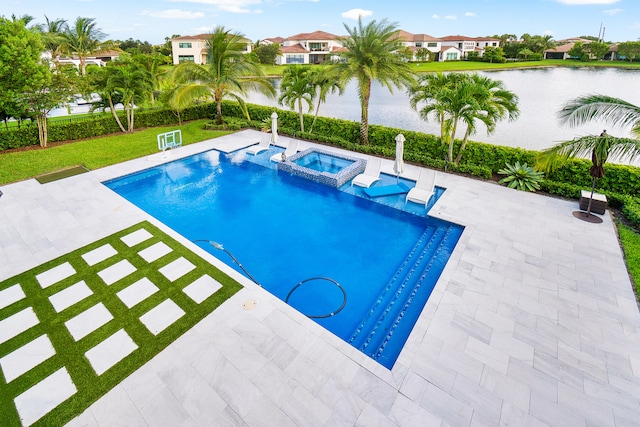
[(597, 50), (423, 54), (576, 51), (268, 53), (630, 50), (47, 92), (494, 54)]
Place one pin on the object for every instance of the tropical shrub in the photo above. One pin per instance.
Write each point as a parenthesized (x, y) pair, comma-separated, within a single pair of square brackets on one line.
[(521, 177)]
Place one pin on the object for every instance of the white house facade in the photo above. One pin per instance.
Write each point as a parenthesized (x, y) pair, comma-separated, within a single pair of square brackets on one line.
[(469, 44), (194, 48)]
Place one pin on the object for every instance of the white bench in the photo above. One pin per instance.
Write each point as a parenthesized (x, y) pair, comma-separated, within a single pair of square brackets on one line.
[(168, 140)]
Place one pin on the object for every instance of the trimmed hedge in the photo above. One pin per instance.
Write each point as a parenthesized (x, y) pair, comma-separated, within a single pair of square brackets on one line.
[(621, 183)]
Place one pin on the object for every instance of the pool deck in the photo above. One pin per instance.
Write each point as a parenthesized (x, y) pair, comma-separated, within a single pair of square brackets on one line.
[(532, 323)]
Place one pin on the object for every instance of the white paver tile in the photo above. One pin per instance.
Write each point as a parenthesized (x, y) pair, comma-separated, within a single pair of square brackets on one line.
[(69, 296), (26, 357), (10, 295), (137, 292), (202, 288), (161, 316), (117, 271), (110, 351), (177, 269), (40, 399), (99, 254), (17, 323), (136, 237), (55, 275), (155, 251), (88, 321)]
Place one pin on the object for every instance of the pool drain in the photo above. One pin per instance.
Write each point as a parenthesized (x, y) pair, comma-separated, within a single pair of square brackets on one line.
[(333, 313)]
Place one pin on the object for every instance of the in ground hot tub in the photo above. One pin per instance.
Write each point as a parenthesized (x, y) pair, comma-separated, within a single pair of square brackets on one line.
[(323, 167)]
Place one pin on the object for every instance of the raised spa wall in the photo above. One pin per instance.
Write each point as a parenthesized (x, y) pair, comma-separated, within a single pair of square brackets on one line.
[(331, 179)]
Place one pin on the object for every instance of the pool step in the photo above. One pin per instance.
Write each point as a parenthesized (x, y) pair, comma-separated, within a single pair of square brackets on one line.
[(401, 301)]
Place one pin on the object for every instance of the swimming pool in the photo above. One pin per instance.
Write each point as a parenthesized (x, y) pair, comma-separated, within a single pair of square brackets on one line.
[(285, 229)]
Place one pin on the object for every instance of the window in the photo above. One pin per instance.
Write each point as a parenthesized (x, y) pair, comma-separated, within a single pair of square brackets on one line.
[(184, 45), (432, 44), (295, 59), (185, 58), (452, 56), (418, 44)]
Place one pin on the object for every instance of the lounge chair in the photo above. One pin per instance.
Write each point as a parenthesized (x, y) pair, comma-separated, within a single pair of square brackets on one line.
[(370, 175), (292, 148), (425, 186), (263, 145)]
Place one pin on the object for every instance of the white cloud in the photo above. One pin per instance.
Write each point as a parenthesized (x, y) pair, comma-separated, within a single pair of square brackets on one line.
[(584, 2), (172, 14), (356, 13), (233, 6), (451, 17), (547, 33), (612, 12), (469, 14), (435, 16)]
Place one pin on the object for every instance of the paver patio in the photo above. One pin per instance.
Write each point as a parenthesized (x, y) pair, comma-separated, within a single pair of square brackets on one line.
[(533, 322)]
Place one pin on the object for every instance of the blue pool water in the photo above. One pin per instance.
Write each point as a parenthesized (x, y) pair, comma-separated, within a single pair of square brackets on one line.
[(285, 229), (323, 162)]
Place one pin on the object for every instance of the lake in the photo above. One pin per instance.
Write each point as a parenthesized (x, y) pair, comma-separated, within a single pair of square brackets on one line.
[(541, 92)]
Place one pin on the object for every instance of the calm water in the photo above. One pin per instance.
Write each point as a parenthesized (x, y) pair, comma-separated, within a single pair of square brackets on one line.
[(541, 92)]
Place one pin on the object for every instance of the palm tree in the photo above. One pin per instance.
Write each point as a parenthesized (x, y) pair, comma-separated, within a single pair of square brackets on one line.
[(435, 90), (53, 36), (227, 73), (589, 108), (492, 104), (460, 98), (82, 40), (370, 54), (122, 83), (325, 82), (296, 87)]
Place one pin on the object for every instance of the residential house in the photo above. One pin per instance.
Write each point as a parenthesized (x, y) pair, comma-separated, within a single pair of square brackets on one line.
[(562, 50), (421, 41), (468, 44), (309, 48), (194, 48)]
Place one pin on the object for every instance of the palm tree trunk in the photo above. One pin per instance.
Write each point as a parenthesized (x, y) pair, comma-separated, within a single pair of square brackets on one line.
[(464, 144), (301, 115), (115, 115), (315, 116), (365, 94), (219, 111)]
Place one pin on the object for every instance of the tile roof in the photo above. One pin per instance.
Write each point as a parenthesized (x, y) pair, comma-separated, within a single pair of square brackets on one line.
[(316, 35)]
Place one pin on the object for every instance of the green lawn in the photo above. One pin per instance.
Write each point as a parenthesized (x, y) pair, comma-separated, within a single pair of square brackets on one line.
[(630, 240), (425, 67), (94, 153)]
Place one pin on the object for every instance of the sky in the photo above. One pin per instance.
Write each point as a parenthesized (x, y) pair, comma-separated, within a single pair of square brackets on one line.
[(154, 20)]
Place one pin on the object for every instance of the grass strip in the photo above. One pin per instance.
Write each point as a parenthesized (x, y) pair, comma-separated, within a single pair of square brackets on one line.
[(630, 240), (70, 353)]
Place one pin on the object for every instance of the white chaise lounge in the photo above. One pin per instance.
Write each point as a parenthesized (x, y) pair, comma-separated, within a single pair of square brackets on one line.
[(292, 148), (370, 175), (263, 145), (424, 189)]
